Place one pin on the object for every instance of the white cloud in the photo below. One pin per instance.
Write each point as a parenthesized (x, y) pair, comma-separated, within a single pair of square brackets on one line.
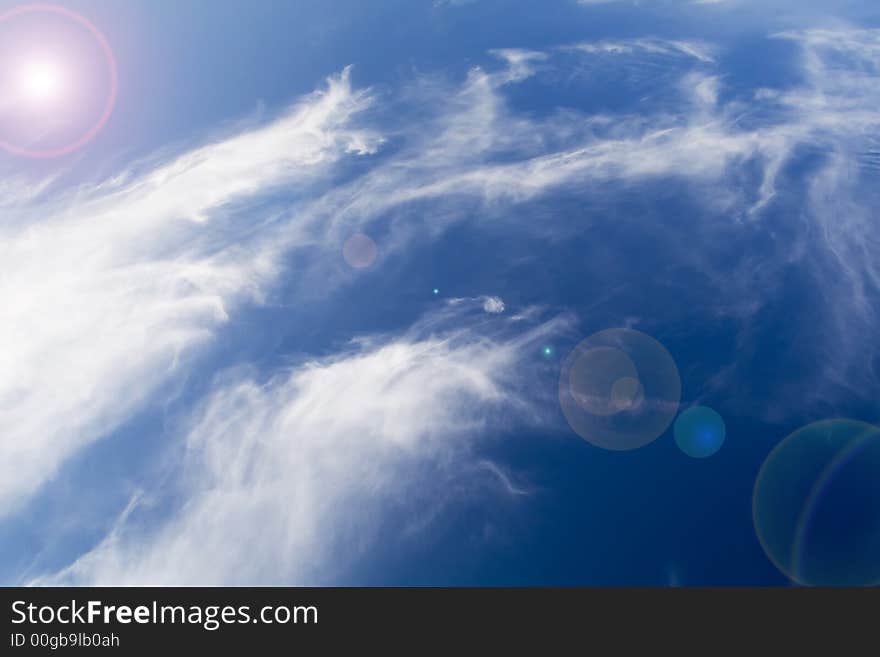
[(698, 50), (493, 305), (16, 191), (283, 482), (840, 110), (638, 2), (476, 149), (521, 64), (106, 291)]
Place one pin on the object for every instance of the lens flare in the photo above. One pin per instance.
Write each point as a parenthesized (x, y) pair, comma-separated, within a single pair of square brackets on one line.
[(816, 504), (619, 389), (359, 251), (699, 432), (58, 81)]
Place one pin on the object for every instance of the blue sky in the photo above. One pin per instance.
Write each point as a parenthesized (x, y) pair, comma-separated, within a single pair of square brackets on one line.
[(199, 388)]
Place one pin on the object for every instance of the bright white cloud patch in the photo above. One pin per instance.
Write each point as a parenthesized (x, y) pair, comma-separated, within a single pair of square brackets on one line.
[(493, 305), (107, 291), (285, 481)]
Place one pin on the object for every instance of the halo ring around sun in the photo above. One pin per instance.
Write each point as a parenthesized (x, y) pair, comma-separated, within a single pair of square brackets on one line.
[(113, 81)]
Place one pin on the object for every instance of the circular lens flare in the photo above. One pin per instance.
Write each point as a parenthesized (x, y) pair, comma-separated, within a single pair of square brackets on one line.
[(58, 81), (699, 432), (627, 393), (359, 251), (816, 504), (619, 389)]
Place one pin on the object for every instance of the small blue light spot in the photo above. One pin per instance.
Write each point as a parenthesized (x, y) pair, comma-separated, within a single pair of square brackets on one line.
[(699, 432)]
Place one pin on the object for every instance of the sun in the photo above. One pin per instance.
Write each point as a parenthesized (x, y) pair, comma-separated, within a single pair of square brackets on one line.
[(40, 81), (58, 81)]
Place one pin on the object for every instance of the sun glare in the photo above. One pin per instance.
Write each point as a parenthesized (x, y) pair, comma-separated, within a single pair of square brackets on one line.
[(40, 82), (58, 81)]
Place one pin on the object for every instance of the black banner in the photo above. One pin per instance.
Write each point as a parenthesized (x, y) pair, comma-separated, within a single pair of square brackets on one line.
[(146, 620)]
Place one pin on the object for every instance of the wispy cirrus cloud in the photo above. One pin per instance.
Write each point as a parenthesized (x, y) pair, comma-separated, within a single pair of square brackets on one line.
[(837, 117), (636, 2), (699, 50), (286, 481), (108, 290)]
